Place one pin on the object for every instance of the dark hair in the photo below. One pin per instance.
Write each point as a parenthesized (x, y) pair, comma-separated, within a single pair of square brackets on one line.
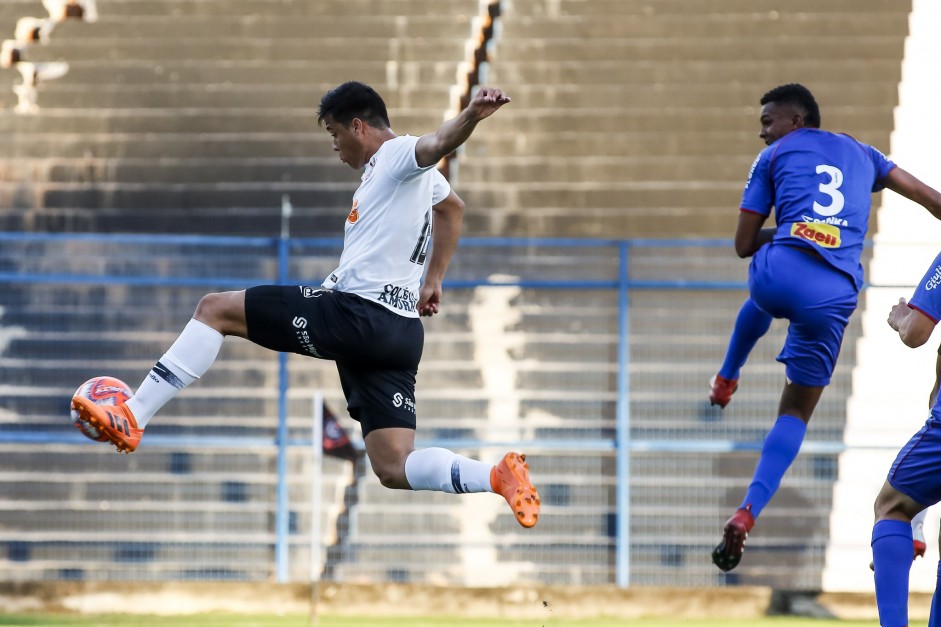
[(354, 100), (798, 96)]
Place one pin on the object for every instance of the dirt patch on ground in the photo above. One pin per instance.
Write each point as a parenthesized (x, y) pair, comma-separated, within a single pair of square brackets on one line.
[(386, 600), (857, 606)]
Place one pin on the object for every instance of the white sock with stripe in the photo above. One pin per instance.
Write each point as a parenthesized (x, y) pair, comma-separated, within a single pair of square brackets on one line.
[(441, 470), (190, 356)]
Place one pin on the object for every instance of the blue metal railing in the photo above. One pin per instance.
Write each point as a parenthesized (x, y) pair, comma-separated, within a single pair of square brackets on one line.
[(282, 249)]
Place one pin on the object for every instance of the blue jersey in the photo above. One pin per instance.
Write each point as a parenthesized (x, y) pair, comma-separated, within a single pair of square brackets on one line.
[(927, 300), (820, 185)]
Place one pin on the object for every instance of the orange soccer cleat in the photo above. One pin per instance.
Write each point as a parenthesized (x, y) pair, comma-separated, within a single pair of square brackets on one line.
[(116, 423), (511, 479)]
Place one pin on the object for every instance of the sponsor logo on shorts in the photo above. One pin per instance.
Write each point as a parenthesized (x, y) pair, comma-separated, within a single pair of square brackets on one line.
[(399, 297), (303, 337), (935, 279), (398, 400), (825, 235)]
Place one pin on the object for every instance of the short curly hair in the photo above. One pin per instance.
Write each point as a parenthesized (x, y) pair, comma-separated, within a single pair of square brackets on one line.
[(354, 100), (798, 96)]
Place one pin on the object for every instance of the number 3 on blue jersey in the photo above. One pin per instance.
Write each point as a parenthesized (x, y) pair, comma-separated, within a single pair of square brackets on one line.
[(831, 189)]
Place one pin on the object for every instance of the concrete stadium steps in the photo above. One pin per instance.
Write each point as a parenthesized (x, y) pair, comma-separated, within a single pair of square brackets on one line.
[(559, 562), (265, 21), (172, 97), (257, 144), (754, 72), (303, 120), (719, 40), (632, 80), (758, 31), (189, 198), (683, 96), (261, 221), (208, 72), (333, 8), (184, 170), (593, 144), (255, 50), (649, 119), (643, 8), (198, 511), (59, 95), (546, 169)]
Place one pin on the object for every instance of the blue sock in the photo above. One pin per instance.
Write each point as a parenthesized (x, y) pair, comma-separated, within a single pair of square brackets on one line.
[(935, 619), (892, 560), (752, 323), (778, 452)]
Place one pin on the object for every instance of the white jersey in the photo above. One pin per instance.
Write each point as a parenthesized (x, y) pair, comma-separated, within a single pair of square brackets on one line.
[(389, 227)]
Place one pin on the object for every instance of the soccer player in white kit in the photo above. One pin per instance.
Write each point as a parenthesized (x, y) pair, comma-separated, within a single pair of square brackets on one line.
[(365, 314)]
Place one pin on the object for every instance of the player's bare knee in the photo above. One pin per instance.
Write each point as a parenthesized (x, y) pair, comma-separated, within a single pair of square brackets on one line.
[(891, 504), (209, 309), (223, 311), (390, 476)]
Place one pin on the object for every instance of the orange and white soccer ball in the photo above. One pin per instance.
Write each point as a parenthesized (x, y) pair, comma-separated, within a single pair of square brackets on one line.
[(101, 391)]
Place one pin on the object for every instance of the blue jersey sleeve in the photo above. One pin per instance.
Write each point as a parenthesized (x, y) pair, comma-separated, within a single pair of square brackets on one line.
[(927, 297), (882, 164), (758, 196)]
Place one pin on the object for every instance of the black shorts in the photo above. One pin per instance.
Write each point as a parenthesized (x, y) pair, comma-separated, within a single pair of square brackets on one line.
[(376, 351)]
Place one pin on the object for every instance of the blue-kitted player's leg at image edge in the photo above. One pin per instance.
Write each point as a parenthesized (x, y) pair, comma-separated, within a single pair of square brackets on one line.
[(912, 485)]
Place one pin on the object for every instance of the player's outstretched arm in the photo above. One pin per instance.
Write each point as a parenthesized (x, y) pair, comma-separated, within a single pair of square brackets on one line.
[(433, 147), (914, 328), (448, 216), (901, 182)]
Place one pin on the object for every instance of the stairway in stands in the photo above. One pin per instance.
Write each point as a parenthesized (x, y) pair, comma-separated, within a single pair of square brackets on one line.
[(194, 116), (630, 118), (639, 119), (187, 117)]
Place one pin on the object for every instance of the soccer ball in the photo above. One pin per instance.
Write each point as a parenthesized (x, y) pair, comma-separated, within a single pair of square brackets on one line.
[(101, 391)]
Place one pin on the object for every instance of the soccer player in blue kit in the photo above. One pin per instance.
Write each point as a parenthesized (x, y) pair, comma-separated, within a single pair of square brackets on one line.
[(914, 480), (806, 269)]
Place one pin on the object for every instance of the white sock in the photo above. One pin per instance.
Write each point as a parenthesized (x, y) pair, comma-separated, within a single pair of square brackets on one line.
[(188, 358), (443, 471)]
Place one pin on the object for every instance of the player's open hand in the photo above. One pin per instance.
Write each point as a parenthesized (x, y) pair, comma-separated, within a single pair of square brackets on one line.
[(486, 101)]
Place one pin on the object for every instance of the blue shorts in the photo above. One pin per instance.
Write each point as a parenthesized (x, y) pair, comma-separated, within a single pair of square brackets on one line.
[(815, 297), (916, 471)]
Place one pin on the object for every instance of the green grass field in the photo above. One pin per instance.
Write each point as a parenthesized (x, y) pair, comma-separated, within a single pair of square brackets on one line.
[(228, 620)]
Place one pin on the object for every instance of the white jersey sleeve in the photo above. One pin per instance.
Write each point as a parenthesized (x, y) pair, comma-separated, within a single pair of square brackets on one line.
[(442, 188)]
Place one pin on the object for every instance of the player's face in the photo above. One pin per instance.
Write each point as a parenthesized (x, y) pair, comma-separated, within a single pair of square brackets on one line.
[(348, 141), (777, 120)]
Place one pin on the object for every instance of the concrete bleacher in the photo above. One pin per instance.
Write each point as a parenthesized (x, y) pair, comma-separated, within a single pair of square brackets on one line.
[(201, 131), (629, 119), (148, 130), (639, 119)]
